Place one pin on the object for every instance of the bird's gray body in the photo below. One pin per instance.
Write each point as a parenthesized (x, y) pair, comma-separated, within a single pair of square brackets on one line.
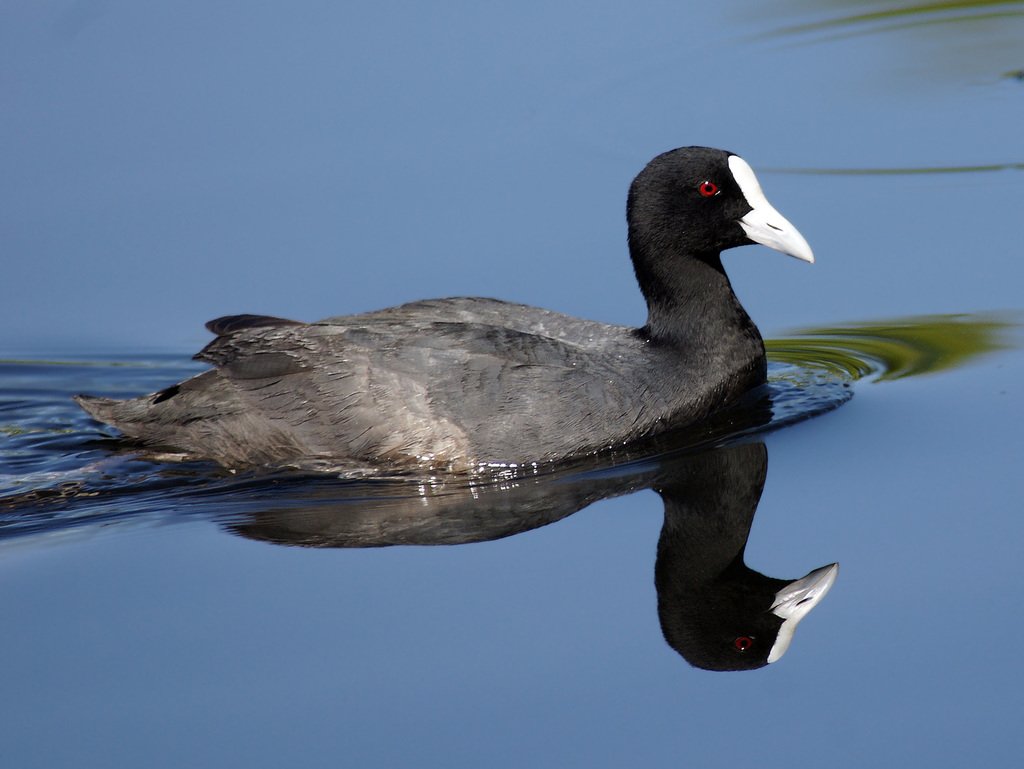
[(451, 383)]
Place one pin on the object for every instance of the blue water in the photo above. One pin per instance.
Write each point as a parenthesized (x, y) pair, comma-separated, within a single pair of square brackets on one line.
[(179, 164)]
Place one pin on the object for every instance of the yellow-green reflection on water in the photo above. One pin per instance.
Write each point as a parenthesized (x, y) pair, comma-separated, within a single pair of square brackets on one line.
[(969, 43), (901, 16), (899, 348)]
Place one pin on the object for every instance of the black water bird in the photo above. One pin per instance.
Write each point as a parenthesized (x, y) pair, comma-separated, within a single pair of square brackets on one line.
[(462, 383)]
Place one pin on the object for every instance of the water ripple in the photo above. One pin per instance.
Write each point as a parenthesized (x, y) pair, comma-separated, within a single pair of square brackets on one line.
[(59, 473), (898, 348)]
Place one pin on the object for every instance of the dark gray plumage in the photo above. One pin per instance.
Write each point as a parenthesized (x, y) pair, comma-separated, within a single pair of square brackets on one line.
[(463, 382)]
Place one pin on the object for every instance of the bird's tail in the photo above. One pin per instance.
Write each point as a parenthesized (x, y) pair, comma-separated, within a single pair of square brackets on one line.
[(126, 415)]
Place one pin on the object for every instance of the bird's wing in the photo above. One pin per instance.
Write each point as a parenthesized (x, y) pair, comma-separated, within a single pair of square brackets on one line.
[(412, 387)]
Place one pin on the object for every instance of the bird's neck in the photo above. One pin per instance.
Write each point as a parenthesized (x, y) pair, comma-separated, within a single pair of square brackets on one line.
[(690, 303)]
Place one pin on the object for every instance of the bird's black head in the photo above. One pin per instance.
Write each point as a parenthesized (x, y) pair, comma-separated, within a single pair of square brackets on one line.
[(742, 620), (686, 201), (700, 201)]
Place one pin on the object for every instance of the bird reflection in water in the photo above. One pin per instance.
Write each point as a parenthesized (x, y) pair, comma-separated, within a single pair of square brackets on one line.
[(718, 613)]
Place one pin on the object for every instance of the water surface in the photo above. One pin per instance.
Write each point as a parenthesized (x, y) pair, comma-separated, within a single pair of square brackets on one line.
[(544, 591), (177, 164)]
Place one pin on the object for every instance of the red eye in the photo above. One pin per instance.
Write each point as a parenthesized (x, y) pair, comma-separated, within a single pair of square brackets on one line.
[(743, 643), (708, 189)]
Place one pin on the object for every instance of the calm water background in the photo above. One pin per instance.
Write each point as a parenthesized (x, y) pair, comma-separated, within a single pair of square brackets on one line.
[(166, 166)]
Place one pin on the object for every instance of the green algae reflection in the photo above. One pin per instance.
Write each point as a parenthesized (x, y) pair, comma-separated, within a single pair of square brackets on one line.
[(896, 349), (900, 15), (968, 42)]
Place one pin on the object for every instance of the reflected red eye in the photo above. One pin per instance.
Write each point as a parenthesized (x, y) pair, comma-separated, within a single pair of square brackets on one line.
[(743, 643), (708, 189)]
